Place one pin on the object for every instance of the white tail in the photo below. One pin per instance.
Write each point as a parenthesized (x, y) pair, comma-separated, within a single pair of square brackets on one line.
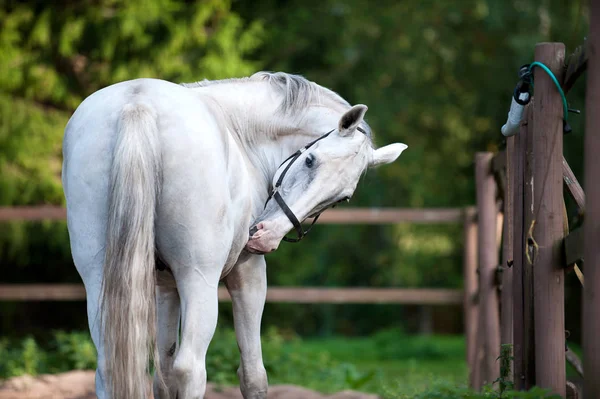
[(128, 291)]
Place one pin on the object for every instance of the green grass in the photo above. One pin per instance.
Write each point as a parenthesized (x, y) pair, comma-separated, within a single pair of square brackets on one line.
[(388, 362)]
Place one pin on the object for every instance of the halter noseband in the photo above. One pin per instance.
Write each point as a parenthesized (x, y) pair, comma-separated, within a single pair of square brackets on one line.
[(284, 207)]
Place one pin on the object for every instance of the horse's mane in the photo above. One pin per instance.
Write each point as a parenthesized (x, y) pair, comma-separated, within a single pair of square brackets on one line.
[(297, 91)]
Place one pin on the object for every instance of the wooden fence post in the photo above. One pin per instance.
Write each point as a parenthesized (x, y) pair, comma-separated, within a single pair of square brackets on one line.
[(488, 262), (545, 234), (470, 291), (591, 291), (517, 154), (506, 295), (528, 218)]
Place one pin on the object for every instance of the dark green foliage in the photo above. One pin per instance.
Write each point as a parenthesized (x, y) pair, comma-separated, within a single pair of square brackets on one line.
[(505, 379), (394, 344), (73, 350), (66, 351)]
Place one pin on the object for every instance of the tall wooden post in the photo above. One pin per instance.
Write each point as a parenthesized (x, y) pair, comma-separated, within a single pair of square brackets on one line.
[(470, 291), (488, 262), (545, 234), (518, 153), (591, 291), (506, 297), (523, 216)]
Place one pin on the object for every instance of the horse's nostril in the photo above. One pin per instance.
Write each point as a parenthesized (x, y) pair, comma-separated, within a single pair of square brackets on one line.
[(253, 230)]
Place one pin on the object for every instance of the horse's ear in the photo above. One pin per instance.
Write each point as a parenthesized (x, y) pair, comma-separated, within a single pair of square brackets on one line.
[(351, 119), (387, 154)]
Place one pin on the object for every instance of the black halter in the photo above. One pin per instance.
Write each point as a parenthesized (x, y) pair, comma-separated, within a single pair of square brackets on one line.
[(284, 207)]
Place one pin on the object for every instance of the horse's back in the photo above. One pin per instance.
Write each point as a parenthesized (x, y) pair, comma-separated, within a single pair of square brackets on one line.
[(186, 128), (196, 166), (98, 114)]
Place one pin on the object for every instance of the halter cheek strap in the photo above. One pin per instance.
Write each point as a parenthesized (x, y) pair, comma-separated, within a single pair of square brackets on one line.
[(290, 215), (281, 202), (279, 199)]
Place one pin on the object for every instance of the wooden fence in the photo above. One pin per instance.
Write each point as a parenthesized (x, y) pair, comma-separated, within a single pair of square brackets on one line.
[(424, 296), (522, 298)]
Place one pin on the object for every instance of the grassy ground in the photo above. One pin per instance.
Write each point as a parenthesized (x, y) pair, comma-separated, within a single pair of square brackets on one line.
[(387, 362)]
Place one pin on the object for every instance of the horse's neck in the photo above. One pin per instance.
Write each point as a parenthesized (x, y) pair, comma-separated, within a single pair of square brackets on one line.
[(249, 111)]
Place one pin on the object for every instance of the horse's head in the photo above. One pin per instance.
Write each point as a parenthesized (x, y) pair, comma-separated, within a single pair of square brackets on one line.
[(316, 177)]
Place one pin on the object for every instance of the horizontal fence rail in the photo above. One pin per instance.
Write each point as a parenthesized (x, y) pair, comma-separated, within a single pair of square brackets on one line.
[(347, 216), (405, 296), (331, 216)]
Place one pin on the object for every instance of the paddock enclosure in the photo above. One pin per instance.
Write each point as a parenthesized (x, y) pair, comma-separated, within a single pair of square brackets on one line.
[(517, 246), (519, 243)]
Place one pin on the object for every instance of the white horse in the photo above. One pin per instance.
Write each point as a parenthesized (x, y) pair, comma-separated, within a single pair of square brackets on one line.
[(171, 188)]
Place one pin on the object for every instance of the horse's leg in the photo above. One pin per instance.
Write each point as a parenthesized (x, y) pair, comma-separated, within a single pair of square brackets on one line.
[(92, 283), (167, 309), (247, 285), (86, 231), (198, 290), (87, 234)]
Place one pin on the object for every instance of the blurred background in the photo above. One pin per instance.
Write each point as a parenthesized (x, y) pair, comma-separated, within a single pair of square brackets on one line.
[(436, 75)]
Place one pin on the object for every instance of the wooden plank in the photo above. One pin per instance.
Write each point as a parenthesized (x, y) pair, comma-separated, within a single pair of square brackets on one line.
[(523, 328), (575, 66), (528, 283), (517, 182), (488, 261), (574, 247), (573, 187), (32, 213), (331, 216), (591, 292), (506, 294), (470, 308), (42, 292), (391, 215), (408, 296), (547, 228)]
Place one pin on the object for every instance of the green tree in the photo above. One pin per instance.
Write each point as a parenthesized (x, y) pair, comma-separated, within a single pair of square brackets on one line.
[(51, 58), (437, 75)]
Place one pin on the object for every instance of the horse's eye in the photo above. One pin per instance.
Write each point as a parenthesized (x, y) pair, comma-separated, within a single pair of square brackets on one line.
[(309, 161)]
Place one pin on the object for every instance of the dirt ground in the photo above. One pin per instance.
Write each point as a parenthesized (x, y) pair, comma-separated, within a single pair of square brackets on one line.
[(80, 385)]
